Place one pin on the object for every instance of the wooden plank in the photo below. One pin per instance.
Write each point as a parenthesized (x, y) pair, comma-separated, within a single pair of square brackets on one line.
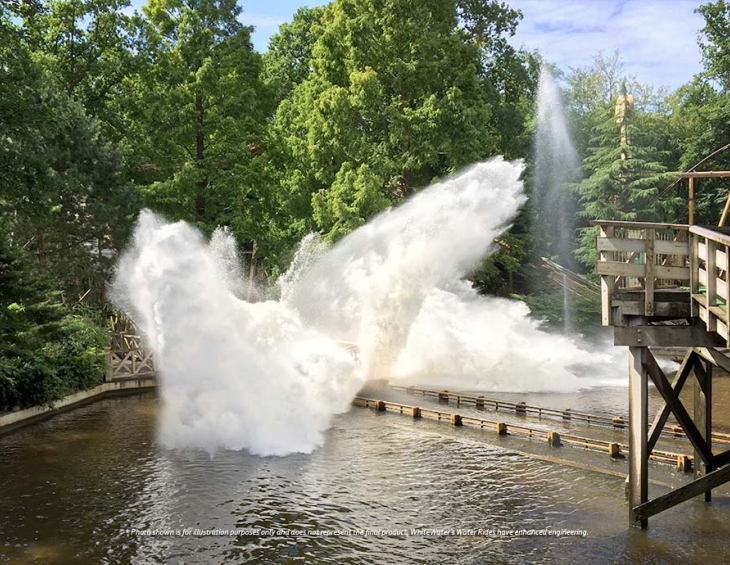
[(665, 247), (618, 269), (663, 415), (678, 410), (702, 277), (721, 287), (650, 262), (674, 273), (632, 245), (713, 235), (665, 336), (664, 309), (638, 490), (703, 174), (720, 257), (639, 225), (702, 250), (620, 244), (674, 497)]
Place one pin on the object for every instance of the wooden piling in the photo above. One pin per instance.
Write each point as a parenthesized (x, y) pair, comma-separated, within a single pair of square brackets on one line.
[(521, 408), (553, 439), (444, 396), (416, 412), (456, 420), (501, 428), (380, 406), (619, 422), (684, 463), (638, 433), (479, 403), (614, 449)]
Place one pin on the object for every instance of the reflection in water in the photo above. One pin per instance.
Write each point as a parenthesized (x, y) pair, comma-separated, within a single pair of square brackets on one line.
[(72, 487)]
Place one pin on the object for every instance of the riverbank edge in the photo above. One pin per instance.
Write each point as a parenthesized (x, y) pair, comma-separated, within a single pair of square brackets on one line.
[(12, 421)]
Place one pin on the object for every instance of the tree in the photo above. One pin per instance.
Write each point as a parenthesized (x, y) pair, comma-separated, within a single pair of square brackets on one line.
[(701, 118), (64, 191), (88, 48), (199, 117), (288, 62), (47, 350), (394, 99), (624, 172)]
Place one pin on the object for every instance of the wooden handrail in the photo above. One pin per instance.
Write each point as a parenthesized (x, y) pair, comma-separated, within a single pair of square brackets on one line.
[(710, 234), (640, 225)]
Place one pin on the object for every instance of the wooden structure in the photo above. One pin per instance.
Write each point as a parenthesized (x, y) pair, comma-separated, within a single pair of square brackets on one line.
[(126, 358), (667, 285)]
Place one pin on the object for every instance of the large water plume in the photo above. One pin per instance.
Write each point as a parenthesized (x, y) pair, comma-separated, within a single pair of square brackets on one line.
[(269, 376)]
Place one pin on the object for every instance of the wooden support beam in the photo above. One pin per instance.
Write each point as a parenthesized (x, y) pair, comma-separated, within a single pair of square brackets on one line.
[(715, 357), (703, 419), (638, 487), (711, 480), (661, 418), (666, 336), (678, 409)]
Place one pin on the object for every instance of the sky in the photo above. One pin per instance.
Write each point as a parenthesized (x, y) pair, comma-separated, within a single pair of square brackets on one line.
[(657, 39)]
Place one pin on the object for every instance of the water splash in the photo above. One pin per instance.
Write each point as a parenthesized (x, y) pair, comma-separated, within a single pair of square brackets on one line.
[(556, 163), (233, 374), (269, 376)]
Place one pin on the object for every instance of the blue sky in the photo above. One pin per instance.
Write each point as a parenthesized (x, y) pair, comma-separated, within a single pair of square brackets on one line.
[(657, 38)]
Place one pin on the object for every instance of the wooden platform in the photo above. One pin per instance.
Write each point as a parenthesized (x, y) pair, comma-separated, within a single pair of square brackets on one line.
[(666, 285)]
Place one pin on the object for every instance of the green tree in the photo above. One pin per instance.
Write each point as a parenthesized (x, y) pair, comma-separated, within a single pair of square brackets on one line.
[(395, 98), (199, 117), (624, 172), (88, 48), (288, 61), (47, 349)]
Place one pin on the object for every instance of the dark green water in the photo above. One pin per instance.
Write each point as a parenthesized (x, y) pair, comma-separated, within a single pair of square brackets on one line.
[(74, 488)]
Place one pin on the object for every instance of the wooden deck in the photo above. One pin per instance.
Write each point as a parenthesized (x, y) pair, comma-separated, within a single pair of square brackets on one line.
[(666, 285)]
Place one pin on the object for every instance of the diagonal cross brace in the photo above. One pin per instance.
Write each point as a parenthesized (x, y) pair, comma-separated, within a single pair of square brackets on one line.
[(677, 408), (661, 418)]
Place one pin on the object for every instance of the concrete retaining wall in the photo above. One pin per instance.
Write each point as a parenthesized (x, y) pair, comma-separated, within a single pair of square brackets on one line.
[(12, 420)]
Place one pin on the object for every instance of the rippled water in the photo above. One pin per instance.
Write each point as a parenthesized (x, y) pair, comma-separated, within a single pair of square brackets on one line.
[(72, 488)]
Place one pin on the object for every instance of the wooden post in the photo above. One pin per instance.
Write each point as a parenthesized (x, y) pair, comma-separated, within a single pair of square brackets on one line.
[(694, 273), (703, 415), (501, 428), (607, 281), (416, 412), (711, 294), (691, 212), (724, 211), (650, 263), (638, 421), (456, 420), (553, 439)]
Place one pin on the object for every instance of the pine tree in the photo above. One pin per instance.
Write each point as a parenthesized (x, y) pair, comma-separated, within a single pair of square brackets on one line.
[(624, 173)]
